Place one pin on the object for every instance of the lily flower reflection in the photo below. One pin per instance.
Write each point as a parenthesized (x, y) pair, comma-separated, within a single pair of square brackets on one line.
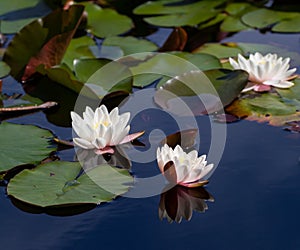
[(89, 159), (100, 130), (185, 169), (265, 71), (180, 202)]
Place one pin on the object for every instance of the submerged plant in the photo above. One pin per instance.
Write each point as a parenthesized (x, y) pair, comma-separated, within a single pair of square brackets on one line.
[(185, 169), (265, 71), (100, 130)]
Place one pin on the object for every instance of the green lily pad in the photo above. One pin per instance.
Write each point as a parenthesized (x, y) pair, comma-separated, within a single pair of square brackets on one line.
[(4, 69), (106, 22), (264, 18), (168, 14), (14, 5), (216, 88), (78, 48), (291, 95), (111, 77), (219, 50), (233, 22), (42, 42), (275, 108), (130, 45), (55, 184), (22, 144), (84, 68), (63, 75), (170, 68), (12, 27), (232, 49)]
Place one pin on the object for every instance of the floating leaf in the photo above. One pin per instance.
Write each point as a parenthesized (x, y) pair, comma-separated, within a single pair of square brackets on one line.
[(43, 41), (14, 5), (4, 69), (170, 65), (267, 107), (21, 144), (61, 75), (85, 68), (55, 184), (12, 27), (232, 23), (106, 22), (203, 93), (266, 18), (130, 45), (219, 50), (78, 48), (108, 78), (168, 14)]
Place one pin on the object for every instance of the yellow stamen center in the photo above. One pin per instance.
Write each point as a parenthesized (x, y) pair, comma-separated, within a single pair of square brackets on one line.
[(105, 123)]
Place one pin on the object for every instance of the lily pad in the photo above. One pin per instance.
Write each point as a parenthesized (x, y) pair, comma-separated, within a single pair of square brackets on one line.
[(14, 26), (130, 45), (233, 22), (84, 68), (4, 69), (56, 184), (203, 93), (266, 18), (168, 14), (275, 108), (22, 144), (43, 41), (170, 65), (78, 48), (14, 5), (106, 22), (62, 75), (219, 50)]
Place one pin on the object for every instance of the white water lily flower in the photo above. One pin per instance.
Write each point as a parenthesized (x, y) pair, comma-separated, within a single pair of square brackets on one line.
[(185, 169), (100, 130), (265, 71)]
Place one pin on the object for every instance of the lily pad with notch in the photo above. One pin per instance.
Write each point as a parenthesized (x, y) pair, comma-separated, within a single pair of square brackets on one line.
[(30, 142), (57, 184)]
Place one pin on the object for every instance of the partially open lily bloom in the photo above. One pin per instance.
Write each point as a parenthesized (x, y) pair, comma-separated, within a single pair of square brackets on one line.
[(185, 169), (265, 71), (100, 129)]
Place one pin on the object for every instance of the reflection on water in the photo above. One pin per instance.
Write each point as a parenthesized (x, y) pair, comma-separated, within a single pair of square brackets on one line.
[(89, 159), (180, 202)]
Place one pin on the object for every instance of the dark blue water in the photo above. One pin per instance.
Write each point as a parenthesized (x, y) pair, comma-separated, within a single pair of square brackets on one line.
[(256, 194), (257, 202)]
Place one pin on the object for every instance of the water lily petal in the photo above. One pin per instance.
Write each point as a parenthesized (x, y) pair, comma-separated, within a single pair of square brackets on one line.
[(83, 143), (89, 114), (249, 87), (118, 136), (233, 63), (131, 137), (106, 150), (99, 143), (284, 84), (262, 88)]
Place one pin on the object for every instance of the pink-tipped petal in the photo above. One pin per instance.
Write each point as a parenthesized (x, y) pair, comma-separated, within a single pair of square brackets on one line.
[(132, 137), (106, 150), (262, 88), (194, 184)]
